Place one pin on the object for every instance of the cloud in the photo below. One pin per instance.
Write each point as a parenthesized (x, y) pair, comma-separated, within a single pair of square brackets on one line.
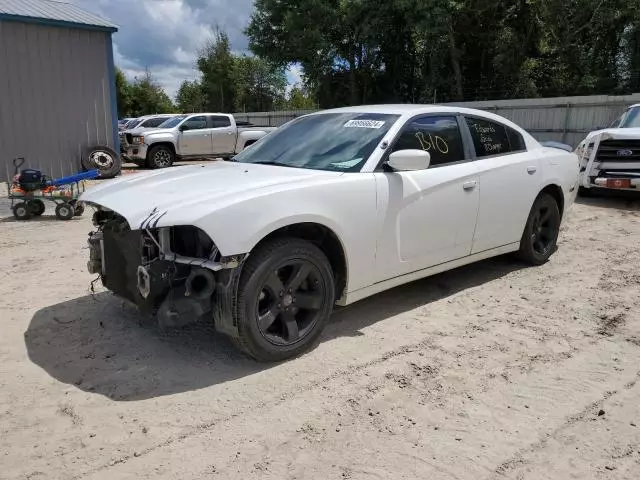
[(165, 35)]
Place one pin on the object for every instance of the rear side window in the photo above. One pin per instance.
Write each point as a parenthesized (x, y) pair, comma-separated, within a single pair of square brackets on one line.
[(440, 136), (219, 121), (489, 138)]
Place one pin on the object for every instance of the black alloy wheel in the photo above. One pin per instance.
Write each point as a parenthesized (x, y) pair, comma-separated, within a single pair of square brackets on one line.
[(541, 232), (290, 301), (285, 297)]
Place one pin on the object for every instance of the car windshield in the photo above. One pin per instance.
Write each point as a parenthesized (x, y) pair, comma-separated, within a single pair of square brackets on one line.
[(327, 141), (172, 122), (631, 118)]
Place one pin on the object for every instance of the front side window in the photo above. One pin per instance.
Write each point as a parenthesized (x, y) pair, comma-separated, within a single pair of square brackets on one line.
[(132, 123), (172, 122), (438, 135), (489, 138), (326, 141), (195, 123), (219, 121)]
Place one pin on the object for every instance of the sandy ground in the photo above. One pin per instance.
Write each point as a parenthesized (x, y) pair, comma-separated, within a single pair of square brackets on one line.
[(490, 371)]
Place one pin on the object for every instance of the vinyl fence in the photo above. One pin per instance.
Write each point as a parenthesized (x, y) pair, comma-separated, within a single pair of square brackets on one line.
[(563, 119)]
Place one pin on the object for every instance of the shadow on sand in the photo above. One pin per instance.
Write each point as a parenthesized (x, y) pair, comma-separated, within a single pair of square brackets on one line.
[(102, 346)]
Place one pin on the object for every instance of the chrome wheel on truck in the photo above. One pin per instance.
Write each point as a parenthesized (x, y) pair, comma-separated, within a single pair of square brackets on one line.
[(160, 157)]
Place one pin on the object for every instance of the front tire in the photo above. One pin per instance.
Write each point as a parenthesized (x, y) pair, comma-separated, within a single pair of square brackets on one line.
[(541, 231), (285, 297), (160, 157)]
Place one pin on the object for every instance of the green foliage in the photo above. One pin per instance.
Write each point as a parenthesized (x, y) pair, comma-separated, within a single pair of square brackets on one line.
[(143, 96), (123, 94), (191, 97), (233, 82), (148, 97), (300, 99), (260, 85), (365, 51)]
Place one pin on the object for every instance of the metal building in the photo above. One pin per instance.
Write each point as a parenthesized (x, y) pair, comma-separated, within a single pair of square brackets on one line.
[(57, 85)]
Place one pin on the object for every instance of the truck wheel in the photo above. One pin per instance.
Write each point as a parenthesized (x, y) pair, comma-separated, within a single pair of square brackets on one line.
[(103, 159), (160, 157), (285, 297), (541, 232)]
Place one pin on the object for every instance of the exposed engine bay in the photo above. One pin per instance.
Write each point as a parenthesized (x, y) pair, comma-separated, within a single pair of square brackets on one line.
[(176, 273)]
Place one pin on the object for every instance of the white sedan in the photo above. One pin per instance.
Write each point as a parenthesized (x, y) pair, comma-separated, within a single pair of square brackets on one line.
[(331, 208)]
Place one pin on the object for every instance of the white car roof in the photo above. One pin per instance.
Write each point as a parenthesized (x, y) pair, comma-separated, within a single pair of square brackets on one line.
[(410, 110)]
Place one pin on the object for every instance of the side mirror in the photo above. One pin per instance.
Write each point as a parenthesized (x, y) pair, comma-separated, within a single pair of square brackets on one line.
[(183, 128), (409, 160)]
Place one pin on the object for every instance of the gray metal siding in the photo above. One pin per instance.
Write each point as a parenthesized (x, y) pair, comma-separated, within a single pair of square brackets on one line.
[(54, 96)]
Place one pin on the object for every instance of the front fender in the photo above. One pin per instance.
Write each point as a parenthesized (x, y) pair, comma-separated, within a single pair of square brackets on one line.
[(152, 138), (346, 206)]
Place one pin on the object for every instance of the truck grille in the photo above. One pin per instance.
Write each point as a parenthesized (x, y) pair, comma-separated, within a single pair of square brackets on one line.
[(129, 138), (619, 151)]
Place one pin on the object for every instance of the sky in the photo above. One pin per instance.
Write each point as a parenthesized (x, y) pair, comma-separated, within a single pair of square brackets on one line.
[(165, 35)]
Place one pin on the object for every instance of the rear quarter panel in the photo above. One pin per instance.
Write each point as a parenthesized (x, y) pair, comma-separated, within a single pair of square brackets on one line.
[(561, 168)]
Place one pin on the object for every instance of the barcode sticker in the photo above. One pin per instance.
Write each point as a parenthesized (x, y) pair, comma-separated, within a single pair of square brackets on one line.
[(364, 124)]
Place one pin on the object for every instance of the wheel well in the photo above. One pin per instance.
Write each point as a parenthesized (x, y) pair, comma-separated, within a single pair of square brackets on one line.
[(248, 142), (556, 192), (169, 145), (326, 240)]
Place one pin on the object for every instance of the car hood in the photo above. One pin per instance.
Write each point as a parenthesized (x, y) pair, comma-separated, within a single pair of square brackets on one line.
[(616, 134), (184, 195)]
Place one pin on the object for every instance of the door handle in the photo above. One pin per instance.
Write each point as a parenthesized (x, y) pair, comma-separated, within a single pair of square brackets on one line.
[(469, 185), (532, 170)]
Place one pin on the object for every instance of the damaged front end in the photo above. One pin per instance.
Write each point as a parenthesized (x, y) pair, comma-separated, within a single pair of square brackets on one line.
[(176, 273)]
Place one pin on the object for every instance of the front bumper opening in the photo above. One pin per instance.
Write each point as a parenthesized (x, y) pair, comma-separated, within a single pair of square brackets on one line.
[(176, 273)]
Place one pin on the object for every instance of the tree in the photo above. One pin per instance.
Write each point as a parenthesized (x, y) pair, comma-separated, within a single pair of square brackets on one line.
[(148, 97), (366, 51), (123, 93), (300, 98), (260, 84), (216, 63), (191, 97)]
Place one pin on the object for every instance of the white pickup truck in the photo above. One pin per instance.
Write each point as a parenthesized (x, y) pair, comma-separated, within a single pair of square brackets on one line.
[(610, 158), (200, 135)]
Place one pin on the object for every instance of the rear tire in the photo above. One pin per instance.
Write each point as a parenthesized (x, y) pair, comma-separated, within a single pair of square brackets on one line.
[(285, 297), (160, 157), (541, 232)]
